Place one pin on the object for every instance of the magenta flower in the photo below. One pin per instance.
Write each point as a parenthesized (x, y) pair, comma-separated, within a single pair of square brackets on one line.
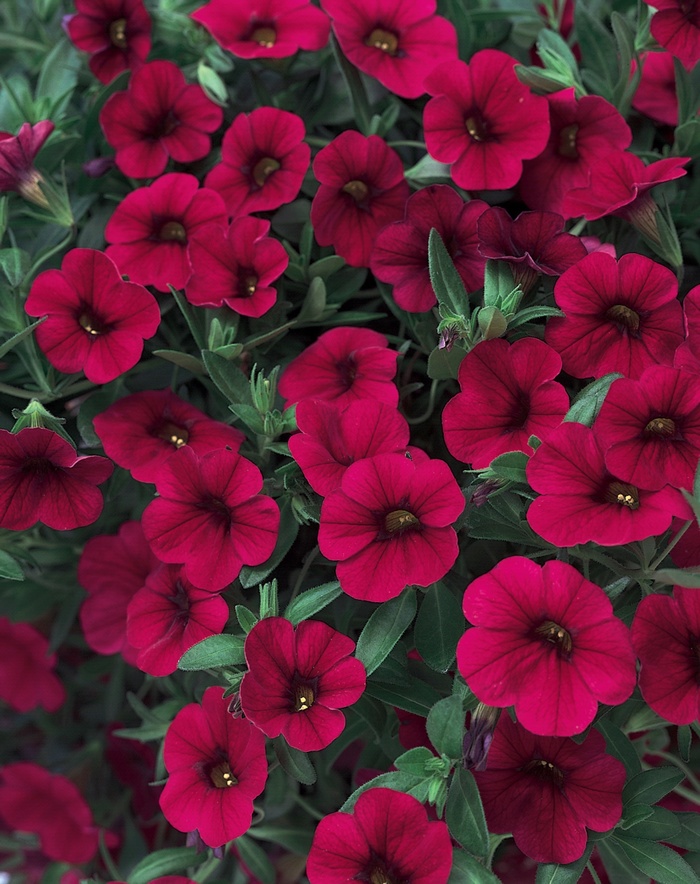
[(483, 120), (151, 227), (580, 500), (264, 28), (656, 94), (27, 678), (217, 767), (298, 680), (141, 431), (621, 316), (397, 42), (158, 117), (548, 790), (389, 525), (210, 517), (675, 25), (666, 637), (508, 394), (263, 161), (545, 640), (388, 838), (17, 155), (343, 365), (400, 252), (362, 190)]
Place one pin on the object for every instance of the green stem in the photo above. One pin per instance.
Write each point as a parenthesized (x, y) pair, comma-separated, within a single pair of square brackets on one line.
[(313, 812), (657, 561), (355, 87), (418, 144), (44, 256), (213, 864), (592, 872), (309, 559), (106, 858), (421, 418)]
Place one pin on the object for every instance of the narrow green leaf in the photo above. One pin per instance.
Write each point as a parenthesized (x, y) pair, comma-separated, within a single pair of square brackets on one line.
[(164, 862), (445, 726), (15, 264), (651, 786), (560, 873), (467, 869), (661, 863), (659, 825), (12, 342), (464, 814), (689, 577), (619, 746), (446, 281), (9, 568), (414, 760), (213, 652), (412, 695), (439, 626), (585, 407), (184, 360), (228, 377), (246, 618), (384, 628), (308, 603), (296, 763), (689, 835), (255, 859), (618, 866), (397, 780)]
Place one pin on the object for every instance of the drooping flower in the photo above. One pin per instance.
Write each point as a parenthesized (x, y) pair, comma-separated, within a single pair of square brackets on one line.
[(116, 33), (483, 120), (675, 25), (210, 517), (387, 838), (42, 479), (545, 640), (96, 322), (656, 93), (298, 680), (397, 42), (342, 365), (17, 155), (508, 394), (400, 252), (264, 28), (389, 525), (151, 227), (263, 161), (362, 190), (27, 678), (621, 316), (158, 117), (141, 431), (548, 790), (217, 766)]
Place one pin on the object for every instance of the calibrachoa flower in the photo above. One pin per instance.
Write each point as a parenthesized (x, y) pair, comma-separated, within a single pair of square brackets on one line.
[(400, 252), (17, 155), (263, 161), (43, 479), (362, 190), (343, 365), (656, 94), (666, 637), (210, 516), (151, 227), (396, 41), (675, 25), (388, 838), (621, 316), (159, 116), (298, 680), (141, 431), (116, 33), (264, 28), (548, 790), (236, 268), (546, 641), (96, 322), (217, 766), (27, 678), (390, 525), (483, 120), (580, 500), (508, 394)]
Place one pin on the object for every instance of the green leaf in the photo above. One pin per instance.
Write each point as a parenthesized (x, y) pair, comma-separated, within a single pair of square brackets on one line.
[(246, 618), (384, 628), (212, 84), (661, 863), (659, 825), (585, 407), (12, 342), (297, 840), (689, 577), (510, 467), (9, 568), (446, 281), (288, 530), (445, 726), (412, 695), (467, 869), (689, 834), (296, 763), (15, 264), (619, 868), (618, 744), (183, 360), (164, 862), (396, 780), (414, 760), (651, 786), (213, 652), (439, 626), (256, 859), (684, 736), (308, 603), (560, 873), (228, 377), (498, 283), (464, 814), (444, 364), (59, 72)]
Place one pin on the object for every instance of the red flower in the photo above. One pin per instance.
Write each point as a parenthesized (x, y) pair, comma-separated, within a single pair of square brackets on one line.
[(167, 616), (343, 365), (666, 637), (656, 94), (390, 525), (159, 116), (545, 640), (133, 764), (141, 431), (298, 680), (581, 501), (264, 28), (116, 33), (17, 155), (397, 42), (210, 516), (621, 316), (42, 479), (507, 396), (217, 767), (582, 135), (236, 268), (484, 120), (675, 25), (686, 553), (547, 790), (97, 322), (151, 227), (27, 679), (400, 252), (362, 190), (112, 568), (263, 161), (387, 838)]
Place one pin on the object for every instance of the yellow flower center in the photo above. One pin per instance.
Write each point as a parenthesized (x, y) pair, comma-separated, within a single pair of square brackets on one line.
[(263, 169), (567, 141), (386, 41), (661, 426), (264, 36), (303, 697), (177, 436), (624, 317), (89, 324), (117, 33), (221, 776), (557, 635), (358, 190), (625, 495), (399, 520)]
